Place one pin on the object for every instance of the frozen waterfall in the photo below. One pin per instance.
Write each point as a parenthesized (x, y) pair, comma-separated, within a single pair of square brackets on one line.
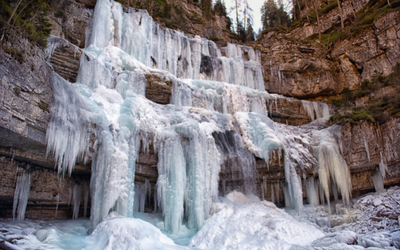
[(218, 115)]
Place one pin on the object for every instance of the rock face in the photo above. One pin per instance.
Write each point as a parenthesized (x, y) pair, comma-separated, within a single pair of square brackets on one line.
[(64, 57), (366, 145), (349, 8), (376, 49), (70, 19), (308, 70), (25, 102), (292, 68), (288, 111), (46, 191)]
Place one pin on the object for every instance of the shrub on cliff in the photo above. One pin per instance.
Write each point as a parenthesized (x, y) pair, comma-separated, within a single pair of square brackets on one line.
[(25, 17), (378, 108)]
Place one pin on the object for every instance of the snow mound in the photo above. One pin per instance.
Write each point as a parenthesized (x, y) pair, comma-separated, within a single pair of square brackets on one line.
[(239, 197), (129, 233), (258, 225)]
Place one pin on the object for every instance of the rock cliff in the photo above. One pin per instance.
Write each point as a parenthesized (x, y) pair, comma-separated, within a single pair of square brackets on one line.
[(297, 65)]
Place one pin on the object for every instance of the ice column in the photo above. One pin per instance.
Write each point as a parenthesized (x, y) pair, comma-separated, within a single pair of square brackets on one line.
[(76, 200), (171, 181), (21, 193), (316, 110), (331, 165)]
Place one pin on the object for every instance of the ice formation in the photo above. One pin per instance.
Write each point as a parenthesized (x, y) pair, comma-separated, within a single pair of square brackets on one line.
[(108, 113), (331, 165), (316, 110), (21, 193)]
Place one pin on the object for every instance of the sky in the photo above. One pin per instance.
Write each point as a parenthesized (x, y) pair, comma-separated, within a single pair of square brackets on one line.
[(255, 5)]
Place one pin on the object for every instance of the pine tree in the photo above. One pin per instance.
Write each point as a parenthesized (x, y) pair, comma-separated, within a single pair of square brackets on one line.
[(206, 5), (274, 16)]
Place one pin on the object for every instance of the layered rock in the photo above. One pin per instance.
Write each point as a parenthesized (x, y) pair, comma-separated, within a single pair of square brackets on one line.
[(70, 19), (376, 49), (304, 70), (293, 68), (332, 18)]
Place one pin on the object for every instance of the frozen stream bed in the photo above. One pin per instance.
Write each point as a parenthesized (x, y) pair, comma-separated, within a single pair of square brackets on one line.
[(238, 222)]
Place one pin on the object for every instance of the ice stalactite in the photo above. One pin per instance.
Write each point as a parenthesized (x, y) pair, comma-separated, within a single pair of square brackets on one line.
[(383, 166), (142, 193), (21, 193), (277, 192), (366, 147), (76, 200), (68, 133), (316, 110), (331, 165), (378, 181), (312, 191), (258, 134), (239, 163), (171, 181), (264, 188), (86, 200), (57, 203), (92, 122), (261, 138)]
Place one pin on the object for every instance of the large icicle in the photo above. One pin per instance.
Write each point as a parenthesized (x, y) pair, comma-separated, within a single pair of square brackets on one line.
[(21, 193), (76, 200), (332, 166), (316, 110)]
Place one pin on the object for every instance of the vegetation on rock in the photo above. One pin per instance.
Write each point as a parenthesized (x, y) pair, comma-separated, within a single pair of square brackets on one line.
[(382, 101), (25, 17), (353, 25), (274, 16)]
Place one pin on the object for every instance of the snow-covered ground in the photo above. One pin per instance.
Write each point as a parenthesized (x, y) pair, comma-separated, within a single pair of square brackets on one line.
[(238, 222)]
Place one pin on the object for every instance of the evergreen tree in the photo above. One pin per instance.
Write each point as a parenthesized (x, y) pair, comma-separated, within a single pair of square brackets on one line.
[(241, 32), (250, 33), (273, 16), (206, 5), (220, 8)]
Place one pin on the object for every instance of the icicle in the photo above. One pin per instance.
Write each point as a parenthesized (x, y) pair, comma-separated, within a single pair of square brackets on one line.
[(366, 148), (277, 193), (171, 179), (331, 164), (155, 200), (272, 193), (286, 196), (21, 193), (76, 200), (13, 154), (263, 188), (69, 196), (383, 167), (86, 200), (378, 182), (316, 110), (58, 202), (312, 192)]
